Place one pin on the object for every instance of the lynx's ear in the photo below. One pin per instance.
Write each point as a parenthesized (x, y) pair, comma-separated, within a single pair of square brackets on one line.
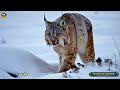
[(47, 23), (61, 21)]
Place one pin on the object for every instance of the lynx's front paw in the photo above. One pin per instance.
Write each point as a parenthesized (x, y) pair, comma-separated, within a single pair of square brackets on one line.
[(63, 68)]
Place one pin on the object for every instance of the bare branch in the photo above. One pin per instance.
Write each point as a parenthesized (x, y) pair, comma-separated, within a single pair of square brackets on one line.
[(115, 60), (116, 45)]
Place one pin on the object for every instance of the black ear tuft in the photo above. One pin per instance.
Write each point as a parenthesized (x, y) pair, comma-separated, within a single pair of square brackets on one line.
[(46, 21)]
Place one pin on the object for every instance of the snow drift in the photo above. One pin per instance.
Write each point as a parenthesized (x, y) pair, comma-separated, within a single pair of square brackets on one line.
[(14, 61)]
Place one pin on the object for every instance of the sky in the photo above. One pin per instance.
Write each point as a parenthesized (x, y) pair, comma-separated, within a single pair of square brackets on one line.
[(25, 29)]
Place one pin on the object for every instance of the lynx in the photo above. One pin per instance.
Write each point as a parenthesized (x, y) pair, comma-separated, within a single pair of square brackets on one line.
[(69, 35)]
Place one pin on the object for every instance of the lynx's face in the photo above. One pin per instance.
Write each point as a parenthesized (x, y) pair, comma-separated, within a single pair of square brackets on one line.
[(55, 33)]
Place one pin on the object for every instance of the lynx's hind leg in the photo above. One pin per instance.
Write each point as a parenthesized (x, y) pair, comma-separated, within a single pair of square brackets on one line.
[(82, 57), (89, 54)]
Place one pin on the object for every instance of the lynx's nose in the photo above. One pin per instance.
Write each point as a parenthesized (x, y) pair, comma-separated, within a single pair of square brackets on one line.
[(53, 42)]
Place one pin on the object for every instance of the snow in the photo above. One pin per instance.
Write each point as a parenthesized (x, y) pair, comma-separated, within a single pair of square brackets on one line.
[(23, 48), (83, 73), (18, 61)]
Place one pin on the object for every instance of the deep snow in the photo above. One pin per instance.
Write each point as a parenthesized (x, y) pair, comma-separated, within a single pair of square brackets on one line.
[(25, 30), (17, 61)]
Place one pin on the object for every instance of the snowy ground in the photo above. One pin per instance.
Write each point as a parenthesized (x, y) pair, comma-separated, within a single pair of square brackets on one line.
[(25, 30), (83, 73), (17, 62)]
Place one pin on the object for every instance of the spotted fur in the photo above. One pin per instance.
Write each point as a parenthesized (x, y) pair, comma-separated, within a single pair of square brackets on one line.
[(70, 34)]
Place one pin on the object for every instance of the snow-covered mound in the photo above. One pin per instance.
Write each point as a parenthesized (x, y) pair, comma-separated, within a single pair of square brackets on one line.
[(15, 62), (83, 73)]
